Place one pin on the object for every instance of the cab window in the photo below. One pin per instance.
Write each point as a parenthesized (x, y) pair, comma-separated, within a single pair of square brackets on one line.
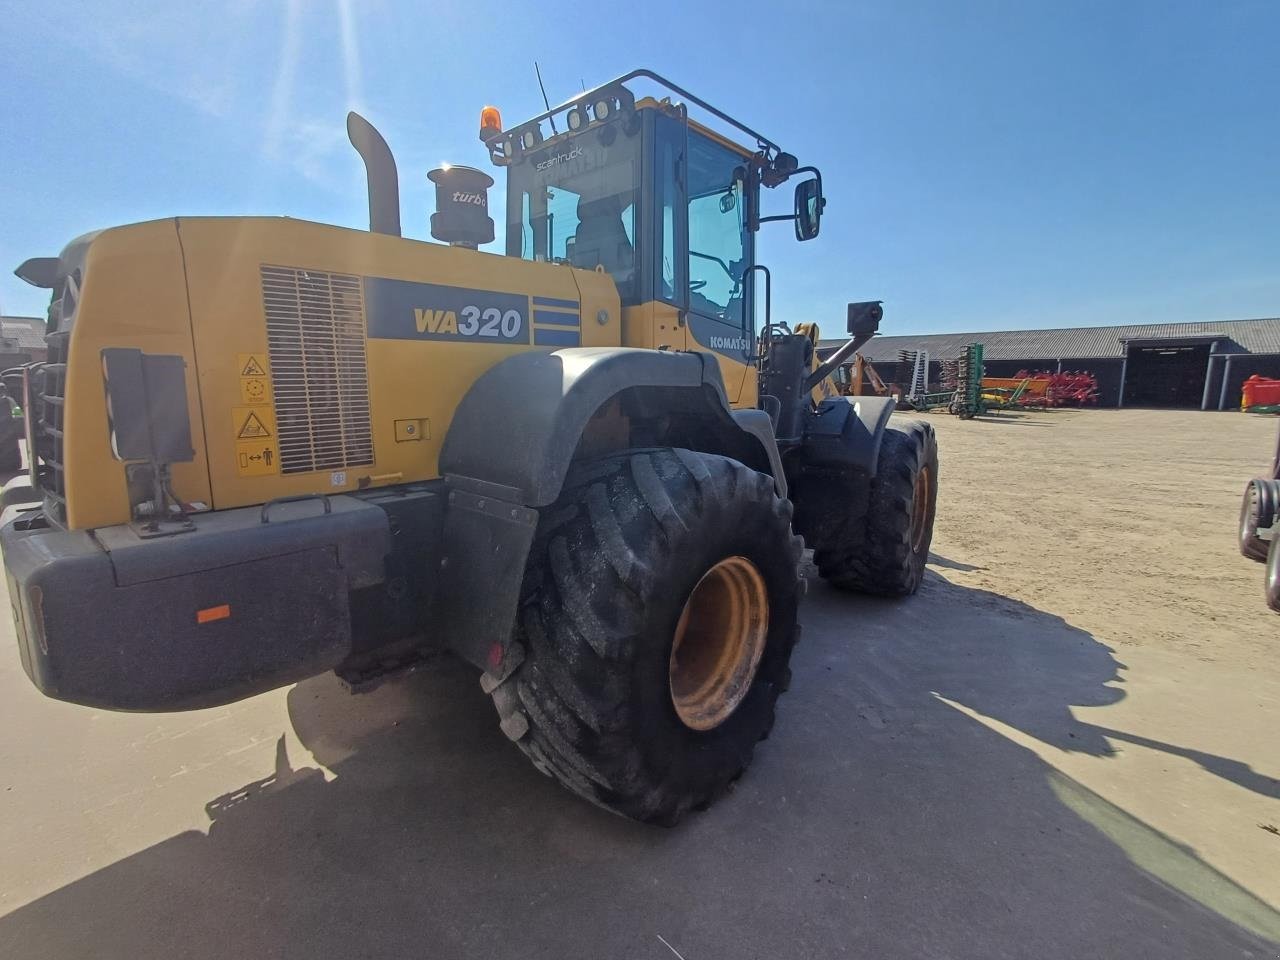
[(718, 236), (575, 202)]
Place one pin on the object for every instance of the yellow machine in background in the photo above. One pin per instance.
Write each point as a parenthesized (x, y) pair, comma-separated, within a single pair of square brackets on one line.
[(263, 448)]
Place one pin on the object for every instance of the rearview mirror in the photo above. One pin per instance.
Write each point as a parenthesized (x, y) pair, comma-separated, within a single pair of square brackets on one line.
[(809, 204)]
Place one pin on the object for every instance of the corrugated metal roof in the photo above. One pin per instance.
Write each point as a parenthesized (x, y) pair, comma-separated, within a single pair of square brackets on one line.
[(28, 331), (1077, 343)]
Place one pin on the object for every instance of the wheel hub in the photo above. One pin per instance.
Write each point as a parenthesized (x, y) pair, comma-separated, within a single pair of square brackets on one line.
[(718, 642)]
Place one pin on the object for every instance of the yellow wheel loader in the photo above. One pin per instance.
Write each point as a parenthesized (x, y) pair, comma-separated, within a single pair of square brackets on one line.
[(264, 448)]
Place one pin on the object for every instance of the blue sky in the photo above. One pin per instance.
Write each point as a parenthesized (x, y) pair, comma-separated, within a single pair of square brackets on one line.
[(987, 164)]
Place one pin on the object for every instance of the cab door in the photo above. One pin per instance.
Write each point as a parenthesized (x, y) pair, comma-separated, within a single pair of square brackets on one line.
[(705, 248)]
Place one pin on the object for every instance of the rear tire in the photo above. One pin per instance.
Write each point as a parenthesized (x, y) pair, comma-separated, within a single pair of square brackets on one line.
[(1257, 509), (884, 551), (593, 698)]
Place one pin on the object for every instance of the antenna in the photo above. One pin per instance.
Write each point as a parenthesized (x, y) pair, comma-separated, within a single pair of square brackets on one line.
[(544, 96)]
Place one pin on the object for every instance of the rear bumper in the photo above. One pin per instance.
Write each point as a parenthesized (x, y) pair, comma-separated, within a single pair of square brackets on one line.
[(107, 619)]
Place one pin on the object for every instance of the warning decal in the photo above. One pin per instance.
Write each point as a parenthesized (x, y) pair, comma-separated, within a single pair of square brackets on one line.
[(255, 458), (251, 365), (255, 381), (253, 428), (255, 441), (254, 390)]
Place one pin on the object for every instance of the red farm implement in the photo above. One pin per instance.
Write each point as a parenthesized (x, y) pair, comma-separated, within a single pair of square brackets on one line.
[(1069, 388)]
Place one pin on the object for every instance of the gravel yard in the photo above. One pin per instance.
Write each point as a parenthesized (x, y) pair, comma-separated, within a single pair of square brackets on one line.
[(1064, 746)]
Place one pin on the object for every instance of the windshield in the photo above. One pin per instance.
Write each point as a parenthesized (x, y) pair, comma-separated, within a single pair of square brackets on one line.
[(575, 202)]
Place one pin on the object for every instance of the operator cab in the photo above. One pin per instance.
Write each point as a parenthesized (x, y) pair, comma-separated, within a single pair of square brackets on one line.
[(666, 206)]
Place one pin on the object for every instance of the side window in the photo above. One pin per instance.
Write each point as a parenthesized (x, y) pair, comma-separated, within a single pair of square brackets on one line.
[(562, 222), (717, 232)]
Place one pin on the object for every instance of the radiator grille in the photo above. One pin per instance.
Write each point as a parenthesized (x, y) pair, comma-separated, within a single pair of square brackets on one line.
[(315, 339)]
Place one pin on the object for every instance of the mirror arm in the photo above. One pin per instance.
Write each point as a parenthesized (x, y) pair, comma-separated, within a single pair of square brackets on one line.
[(756, 219), (849, 347)]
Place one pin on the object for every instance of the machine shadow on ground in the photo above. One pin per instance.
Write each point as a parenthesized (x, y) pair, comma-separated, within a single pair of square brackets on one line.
[(878, 821)]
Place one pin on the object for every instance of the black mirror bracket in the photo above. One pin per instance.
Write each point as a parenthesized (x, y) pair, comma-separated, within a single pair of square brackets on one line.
[(755, 220)]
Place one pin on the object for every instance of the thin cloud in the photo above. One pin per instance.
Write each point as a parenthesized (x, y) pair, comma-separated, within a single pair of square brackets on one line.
[(167, 50), (350, 55), (303, 143), (282, 88)]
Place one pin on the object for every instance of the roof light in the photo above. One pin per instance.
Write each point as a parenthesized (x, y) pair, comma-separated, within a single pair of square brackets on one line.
[(601, 108), (490, 123), (575, 119)]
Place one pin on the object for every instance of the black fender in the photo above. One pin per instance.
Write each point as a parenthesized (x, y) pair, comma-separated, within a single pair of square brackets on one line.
[(832, 466), (845, 432), (512, 439), (842, 432), (519, 424)]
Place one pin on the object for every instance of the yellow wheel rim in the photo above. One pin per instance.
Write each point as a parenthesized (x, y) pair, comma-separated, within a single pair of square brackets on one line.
[(718, 643), (920, 508)]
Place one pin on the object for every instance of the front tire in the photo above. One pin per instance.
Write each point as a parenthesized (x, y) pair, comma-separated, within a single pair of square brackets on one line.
[(882, 549), (657, 618)]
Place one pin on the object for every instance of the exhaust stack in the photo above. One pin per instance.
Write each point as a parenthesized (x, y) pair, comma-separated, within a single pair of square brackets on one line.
[(380, 169)]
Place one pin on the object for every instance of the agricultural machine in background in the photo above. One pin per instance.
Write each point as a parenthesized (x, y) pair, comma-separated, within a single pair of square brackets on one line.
[(966, 391), (962, 390), (1260, 394), (1260, 524), (1066, 388)]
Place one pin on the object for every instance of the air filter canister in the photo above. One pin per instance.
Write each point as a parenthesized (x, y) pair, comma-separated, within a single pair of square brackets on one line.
[(462, 206)]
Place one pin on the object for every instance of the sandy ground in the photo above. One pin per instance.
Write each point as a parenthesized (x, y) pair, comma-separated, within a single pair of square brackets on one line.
[(1062, 747)]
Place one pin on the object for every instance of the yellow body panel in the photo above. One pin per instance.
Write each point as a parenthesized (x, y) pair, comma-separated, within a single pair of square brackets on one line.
[(194, 288), (409, 380), (740, 383), (215, 320), (657, 325), (132, 294), (653, 326)]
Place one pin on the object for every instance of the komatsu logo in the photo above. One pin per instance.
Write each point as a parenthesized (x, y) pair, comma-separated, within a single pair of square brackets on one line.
[(550, 162), (729, 343)]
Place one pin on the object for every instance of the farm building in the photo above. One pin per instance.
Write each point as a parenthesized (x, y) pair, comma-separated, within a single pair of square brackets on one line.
[(1189, 365), (21, 340)]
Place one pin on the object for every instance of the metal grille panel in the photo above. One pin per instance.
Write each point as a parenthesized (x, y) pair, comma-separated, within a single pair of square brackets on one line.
[(319, 374)]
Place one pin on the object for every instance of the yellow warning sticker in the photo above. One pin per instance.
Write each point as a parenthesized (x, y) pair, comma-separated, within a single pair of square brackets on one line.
[(255, 381), (252, 364), (256, 458), (253, 429), (254, 423), (255, 441), (255, 390)]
